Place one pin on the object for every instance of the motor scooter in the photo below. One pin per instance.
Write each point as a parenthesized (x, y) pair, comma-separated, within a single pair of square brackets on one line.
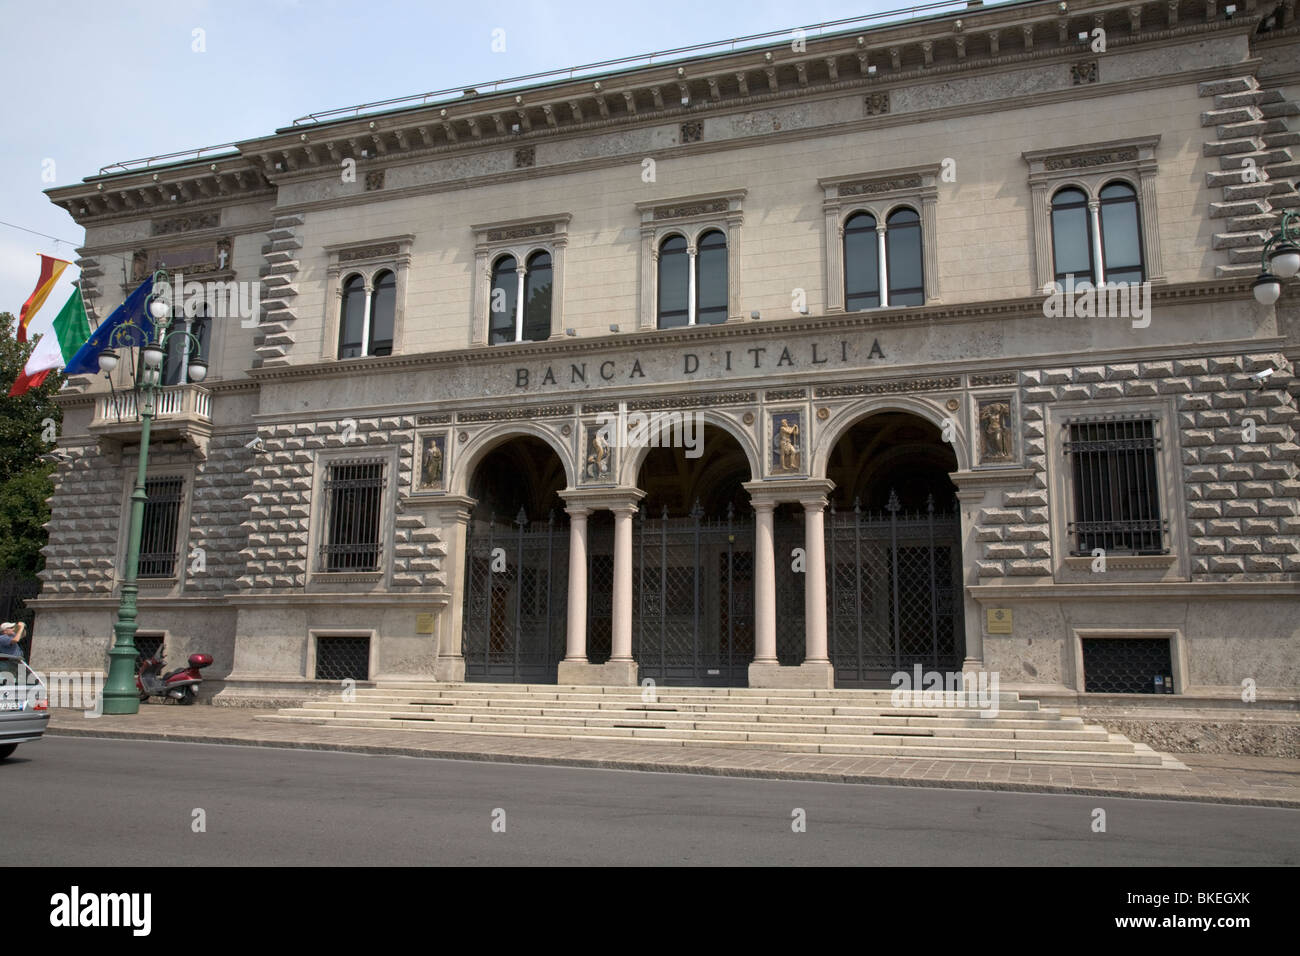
[(180, 685)]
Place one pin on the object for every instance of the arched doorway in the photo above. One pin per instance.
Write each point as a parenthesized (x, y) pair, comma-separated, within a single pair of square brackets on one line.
[(893, 552), (693, 565), (516, 564)]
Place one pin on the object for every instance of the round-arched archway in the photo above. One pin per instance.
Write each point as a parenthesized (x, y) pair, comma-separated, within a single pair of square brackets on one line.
[(893, 550), (516, 563)]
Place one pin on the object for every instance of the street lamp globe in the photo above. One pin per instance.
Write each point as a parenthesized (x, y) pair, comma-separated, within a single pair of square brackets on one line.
[(107, 361), (1267, 289), (198, 370), (1284, 260), (159, 308), (153, 354)]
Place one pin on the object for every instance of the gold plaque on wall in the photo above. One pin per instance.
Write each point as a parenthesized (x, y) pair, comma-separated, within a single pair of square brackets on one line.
[(424, 624), (999, 620)]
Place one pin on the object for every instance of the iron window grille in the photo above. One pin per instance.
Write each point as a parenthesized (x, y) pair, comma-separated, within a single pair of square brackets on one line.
[(162, 509), (342, 658), (353, 493), (1127, 665), (1116, 493)]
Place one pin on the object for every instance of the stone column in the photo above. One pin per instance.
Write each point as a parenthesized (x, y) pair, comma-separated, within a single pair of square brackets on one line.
[(690, 284), (576, 643), (814, 580), (452, 514), (519, 303), (622, 610), (1099, 265), (882, 269), (764, 585), (620, 670)]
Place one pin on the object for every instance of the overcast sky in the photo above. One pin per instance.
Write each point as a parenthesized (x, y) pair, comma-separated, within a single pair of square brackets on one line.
[(94, 83)]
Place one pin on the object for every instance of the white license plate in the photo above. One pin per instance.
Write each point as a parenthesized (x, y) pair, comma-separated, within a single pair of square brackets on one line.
[(13, 705)]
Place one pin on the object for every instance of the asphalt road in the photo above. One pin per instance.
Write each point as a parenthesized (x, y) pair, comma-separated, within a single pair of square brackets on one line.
[(87, 802)]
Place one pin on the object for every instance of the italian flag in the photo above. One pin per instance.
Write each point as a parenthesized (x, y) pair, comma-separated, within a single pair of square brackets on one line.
[(60, 338)]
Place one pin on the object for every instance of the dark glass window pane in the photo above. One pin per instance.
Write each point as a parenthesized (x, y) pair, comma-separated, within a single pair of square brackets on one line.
[(537, 298), (352, 318), (674, 284), (711, 279), (502, 301), (861, 264), (383, 306), (903, 258), (174, 352), (1120, 239), (1071, 235), (163, 497)]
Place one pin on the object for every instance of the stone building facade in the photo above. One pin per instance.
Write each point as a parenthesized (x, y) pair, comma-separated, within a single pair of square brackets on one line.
[(879, 485)]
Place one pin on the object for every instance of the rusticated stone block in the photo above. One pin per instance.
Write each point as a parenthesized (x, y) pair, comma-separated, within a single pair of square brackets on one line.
[(1028, 533), (1227, 565), (1282, 544), (989, 569), (1029, 568), (1001, 516), (1208, 546), (1243, 546), (1240, 508), (1220, 490), (1003, 551), (1264, 563)]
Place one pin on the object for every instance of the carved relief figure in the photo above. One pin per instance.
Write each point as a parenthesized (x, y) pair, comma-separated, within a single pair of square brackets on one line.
[(431, 462), (139, 266), (787, 450), (995, 426), (598, 459)]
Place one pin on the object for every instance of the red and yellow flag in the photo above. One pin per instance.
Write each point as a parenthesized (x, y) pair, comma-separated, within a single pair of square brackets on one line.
[(51, 269)]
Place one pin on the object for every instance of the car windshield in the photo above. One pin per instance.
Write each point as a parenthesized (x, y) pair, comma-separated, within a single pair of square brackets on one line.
[(14, 671)]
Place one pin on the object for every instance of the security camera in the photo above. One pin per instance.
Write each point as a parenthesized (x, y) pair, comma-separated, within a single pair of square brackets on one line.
[(1229, 10), (257, 444), (1262, 376), (57, 455)]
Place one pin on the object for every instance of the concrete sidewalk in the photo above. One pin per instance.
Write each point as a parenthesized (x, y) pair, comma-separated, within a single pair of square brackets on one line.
[(1210, 778)]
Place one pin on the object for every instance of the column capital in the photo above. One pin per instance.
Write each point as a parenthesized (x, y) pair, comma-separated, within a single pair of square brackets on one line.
[(779, 490), (602, 499)]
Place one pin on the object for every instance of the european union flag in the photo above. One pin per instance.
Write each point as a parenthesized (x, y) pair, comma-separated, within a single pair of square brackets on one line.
[(133, 314)]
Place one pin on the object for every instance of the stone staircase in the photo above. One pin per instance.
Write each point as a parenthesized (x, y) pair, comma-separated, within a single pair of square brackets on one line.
[(1255, 147), (849, 722)]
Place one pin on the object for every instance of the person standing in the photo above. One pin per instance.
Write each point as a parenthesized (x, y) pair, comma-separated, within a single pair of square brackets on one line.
[(10, 635)]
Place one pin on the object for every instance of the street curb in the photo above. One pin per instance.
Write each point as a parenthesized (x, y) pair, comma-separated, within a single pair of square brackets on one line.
[(650, 767)]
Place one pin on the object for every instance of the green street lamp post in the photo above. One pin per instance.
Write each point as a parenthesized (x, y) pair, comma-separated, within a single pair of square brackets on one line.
[(1279, 260), (120, 694)]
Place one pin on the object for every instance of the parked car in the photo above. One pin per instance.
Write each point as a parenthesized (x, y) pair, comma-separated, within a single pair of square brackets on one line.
[(24, 704)]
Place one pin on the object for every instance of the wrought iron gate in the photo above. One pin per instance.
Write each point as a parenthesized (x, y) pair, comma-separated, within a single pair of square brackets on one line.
[(693, 600), (895, 591), (516, 593)]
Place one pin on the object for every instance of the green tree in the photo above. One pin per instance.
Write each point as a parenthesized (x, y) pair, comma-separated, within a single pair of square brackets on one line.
[(24, 479)]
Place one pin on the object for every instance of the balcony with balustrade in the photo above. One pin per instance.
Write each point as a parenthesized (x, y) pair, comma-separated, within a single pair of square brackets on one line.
[(181, 413)]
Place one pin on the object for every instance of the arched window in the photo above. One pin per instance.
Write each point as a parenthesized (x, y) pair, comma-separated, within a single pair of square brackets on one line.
[(383, 308), (903, 257), (175, 370), (674, 283), (503, 302), (537, 298), (861, 263), (1072, 236), (352, 318), (711, 279), (1121, 240)]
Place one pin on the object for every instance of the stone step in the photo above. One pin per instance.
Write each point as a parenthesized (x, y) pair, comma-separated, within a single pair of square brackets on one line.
[(1247, 127), (1233, 147), (882, 746), (845, 698), (955, 726), (1025, 709), (1236, 271), (1259, 221), (1230, 115)]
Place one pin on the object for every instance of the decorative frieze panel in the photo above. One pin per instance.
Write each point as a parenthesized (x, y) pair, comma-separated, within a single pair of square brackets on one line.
[(886, 388), (514, 414), (187, 223)]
